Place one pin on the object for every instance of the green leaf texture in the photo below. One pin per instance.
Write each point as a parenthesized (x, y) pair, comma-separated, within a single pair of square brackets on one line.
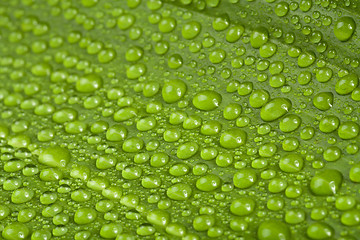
[(179, 119)]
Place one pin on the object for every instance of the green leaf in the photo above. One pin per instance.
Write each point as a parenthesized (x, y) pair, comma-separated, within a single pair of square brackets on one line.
[(179, 119)]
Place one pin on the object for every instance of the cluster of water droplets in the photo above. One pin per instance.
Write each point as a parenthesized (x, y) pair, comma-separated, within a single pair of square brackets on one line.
[(188, 119)]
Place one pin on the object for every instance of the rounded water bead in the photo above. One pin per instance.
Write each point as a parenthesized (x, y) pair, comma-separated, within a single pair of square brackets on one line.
[(275, 109), (354, 173), (207, 100), (259, 98), (234, 33), (242, 206), (344, 28), (232, 111), (191, 29), (273, 230), (173, 90), (16, 231), (306, 59), (291, 163), (345, 203), (347, 84), (319, 230), (85, 216), (323, 101), (22, 195), (55, 157), (208, 183), (290, 123), (348, 130), (179, 191), (351, 217), (326, 182), (295, 216), (329, 124), (245, 178), (259, 37), (233, 138), (89, 83), (203, 222)]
